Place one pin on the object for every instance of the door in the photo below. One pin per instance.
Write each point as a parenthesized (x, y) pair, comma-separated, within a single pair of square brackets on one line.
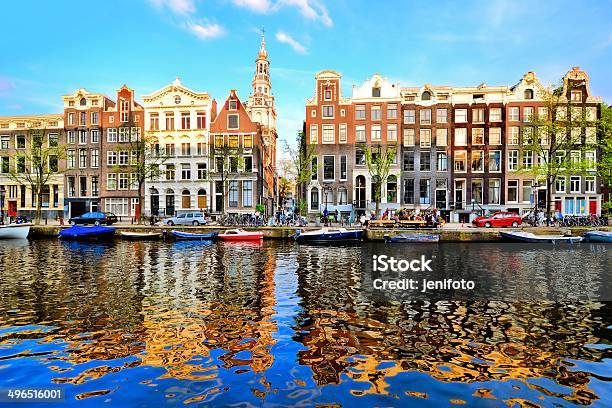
[(12, 209), (155, 205), (593, 207)]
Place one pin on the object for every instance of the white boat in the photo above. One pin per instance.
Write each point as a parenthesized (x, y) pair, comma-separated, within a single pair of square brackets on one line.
[(522, 236), (140, 235), (14, 231)]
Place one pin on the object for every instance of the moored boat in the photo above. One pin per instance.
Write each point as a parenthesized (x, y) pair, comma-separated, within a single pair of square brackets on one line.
[(14, 231), (209, 236), (81, 233), (598, 236), (521, 236), (241, 235), (140, 235), (412, 238), (329, 235)]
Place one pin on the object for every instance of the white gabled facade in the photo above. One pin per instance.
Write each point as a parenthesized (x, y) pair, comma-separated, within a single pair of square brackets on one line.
[(178, 120)]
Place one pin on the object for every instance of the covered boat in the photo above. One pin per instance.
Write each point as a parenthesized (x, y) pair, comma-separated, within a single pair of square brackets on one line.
[(140, 235), (413, 238), (14, 231), (598, 236), (209, 236), (81, 233), (521, 236), (241, 235), (329, 235)]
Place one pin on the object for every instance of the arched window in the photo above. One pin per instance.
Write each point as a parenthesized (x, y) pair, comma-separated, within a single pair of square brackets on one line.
[(82, 102), (170, 202), (360, 192), (392, 189), (185, 199), (201, 199), (426, 96), (528, 93), (314, 198)]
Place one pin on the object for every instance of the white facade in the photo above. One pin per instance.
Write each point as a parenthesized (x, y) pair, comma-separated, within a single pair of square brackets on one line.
[(186, 146)]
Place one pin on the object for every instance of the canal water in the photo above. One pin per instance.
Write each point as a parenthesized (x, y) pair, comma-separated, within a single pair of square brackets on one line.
[(274, 324)]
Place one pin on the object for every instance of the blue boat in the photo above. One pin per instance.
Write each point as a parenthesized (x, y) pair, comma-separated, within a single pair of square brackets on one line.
[(328, 235), (209, 236), (413, 238), (598, 236), (81, 233)]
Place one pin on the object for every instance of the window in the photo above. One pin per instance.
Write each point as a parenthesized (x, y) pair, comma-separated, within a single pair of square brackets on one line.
[(124, 134), (314, 168), (111, 158), (408, 191), (591, 113), (392, 133), (220, 164), (528, 94), (375, 112), (409, 116), (111, 135), (441, 115), (477, 136), (513, 114), (83, 137), (425, 164), (202, 171), (328, 111), (71, 118), (494, 191), (460, 137), (154, 121), (201, 120), (574, 184), (460, 160), (247, 193), (342, 113), (409, 136), (425, 137), (528, 191), (314, 136), (527, 114), (327, 94), (376, 92), (232, 141), (314, 199), (527, 159), (342, 196), (169, 120), (360, 112), (232, 121), (478, 115), (425, 116), (170, 169), (460, 115), (495, 115), (560, 185), (313, 113), (513, 136), (441, 137), (70, 159), (20, 142), (426, 96), (408, 161), (576, 96), (247, 141), (111, 181), (4, 142), (185, 171), (543, 135), (342, 133), (543, 113), (233, 163), (4, 164), (83, 118), (360, 133), (124, 181), (495, 136), (328, 168), (513, 191), (95, 158), (185, 120), (82, 158), (233, 104), (477, 161), (589, 184), (392, 111), (441, 161), (21, 164), (575, 158), (424, 191), (589, 158), (343, 167), (95, 136), (170, 149), (477, 190), (94, 118), (494, 161), (375, 135), (360, 157), (328, 133)]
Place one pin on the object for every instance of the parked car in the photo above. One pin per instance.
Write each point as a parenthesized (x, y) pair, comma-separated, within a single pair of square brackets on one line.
[(195, 218), (499, 219), (96, 218)]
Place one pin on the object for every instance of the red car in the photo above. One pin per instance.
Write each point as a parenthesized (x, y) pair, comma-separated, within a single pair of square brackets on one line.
[(499, 219)]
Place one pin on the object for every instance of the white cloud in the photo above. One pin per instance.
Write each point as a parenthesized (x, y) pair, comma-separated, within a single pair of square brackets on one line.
[(258, 6), (311, 9), (205, 31), (287, 39), (181, 7)]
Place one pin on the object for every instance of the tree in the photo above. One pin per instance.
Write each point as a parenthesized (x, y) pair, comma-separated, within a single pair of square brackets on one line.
[(604, 165), (37, 163), (304, 167), (554, 136), (145, 158), (378, 160), (228, 163), (284, 188)]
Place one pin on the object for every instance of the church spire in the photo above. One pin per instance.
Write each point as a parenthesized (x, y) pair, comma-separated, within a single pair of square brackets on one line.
[(261, 80), (262, 51)]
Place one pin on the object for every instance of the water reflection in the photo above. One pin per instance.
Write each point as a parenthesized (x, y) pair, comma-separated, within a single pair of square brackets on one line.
[(277, 323)]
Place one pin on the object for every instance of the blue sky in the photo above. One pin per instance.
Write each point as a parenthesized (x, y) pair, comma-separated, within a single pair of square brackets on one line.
[(50, 48)]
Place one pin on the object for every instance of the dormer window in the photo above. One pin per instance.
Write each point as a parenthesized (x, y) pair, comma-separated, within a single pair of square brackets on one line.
[(83, 102), (376, 92), (576, 96), (426, 96), (328, 94), (233, 104), (478, 97), (528, 93), (70, 103)]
